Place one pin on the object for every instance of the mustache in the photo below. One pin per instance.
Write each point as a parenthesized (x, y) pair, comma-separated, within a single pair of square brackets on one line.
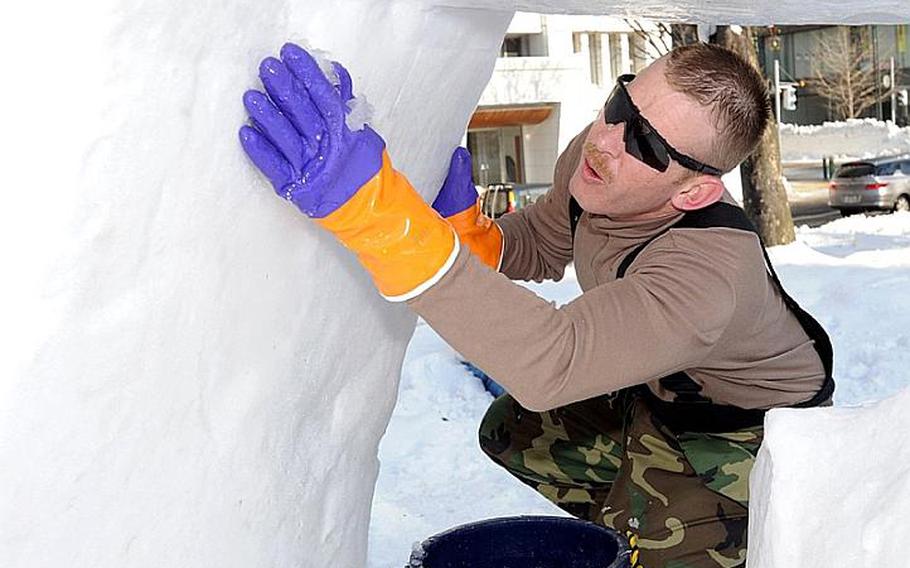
[(595, 159)]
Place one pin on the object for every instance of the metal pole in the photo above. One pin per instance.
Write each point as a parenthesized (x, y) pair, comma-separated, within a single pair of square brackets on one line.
[(777, 90), (893, 94), (777, 108), (878, 77)]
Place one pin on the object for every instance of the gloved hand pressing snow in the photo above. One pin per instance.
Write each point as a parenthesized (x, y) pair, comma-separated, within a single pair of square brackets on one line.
[(300, 140), (342, 178), (459, 204)]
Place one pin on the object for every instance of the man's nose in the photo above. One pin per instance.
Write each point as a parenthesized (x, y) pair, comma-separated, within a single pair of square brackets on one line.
[(607, 138)]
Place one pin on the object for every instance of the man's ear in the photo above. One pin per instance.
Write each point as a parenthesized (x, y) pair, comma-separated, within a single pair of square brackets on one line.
[(699, 192)]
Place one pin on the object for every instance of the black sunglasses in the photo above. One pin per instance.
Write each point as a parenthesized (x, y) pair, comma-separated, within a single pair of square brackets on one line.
[(643, 142)]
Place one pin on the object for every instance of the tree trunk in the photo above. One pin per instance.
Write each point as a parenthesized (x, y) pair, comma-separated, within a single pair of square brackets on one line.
[(683, 34), (764, 196)]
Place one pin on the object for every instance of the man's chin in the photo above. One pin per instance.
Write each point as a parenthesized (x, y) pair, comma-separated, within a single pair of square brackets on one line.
[(583, 192), (573, 185)]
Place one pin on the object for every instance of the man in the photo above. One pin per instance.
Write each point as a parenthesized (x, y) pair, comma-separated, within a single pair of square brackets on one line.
[(638, 405)]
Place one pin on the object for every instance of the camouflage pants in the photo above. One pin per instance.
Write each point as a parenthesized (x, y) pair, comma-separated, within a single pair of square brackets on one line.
[(683, 497)]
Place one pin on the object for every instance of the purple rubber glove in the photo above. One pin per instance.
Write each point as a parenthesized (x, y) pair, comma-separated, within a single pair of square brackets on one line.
[(458, 192), (299, 137)]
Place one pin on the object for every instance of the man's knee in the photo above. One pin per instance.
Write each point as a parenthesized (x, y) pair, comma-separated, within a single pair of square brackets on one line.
[(495, 435)]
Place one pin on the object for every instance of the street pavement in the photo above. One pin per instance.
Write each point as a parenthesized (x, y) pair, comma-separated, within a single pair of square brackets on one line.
[(809, 195), (809, 204)]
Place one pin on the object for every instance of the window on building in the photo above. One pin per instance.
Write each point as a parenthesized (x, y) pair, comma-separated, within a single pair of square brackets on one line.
[(514, 46), (798, 62), (595, 53), (591, 43), (891, 41), (497, 155), (902, 45), (523, 45), (616, 60), (638, 46)]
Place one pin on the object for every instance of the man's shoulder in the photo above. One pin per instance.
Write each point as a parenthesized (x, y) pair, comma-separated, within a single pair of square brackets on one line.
[(716, 248)]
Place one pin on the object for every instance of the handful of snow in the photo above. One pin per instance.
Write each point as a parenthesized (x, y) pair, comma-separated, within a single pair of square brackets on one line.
[(361, 111)]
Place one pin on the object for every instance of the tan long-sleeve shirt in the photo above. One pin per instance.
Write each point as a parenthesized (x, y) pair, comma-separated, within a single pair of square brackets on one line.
[(695, 300)]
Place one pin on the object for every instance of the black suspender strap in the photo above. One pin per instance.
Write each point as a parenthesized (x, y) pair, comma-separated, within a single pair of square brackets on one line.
[(575, 212), (820, 341), (630, 258), (716, 215), (693, 412)]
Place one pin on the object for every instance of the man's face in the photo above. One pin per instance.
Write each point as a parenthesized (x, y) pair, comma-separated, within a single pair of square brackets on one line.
[(609, 181)]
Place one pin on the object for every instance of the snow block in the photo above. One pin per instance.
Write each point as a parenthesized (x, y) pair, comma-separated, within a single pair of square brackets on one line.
[(831, 487), (193, 374)]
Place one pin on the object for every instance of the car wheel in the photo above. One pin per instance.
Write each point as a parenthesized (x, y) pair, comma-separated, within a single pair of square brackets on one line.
[(902, 203)]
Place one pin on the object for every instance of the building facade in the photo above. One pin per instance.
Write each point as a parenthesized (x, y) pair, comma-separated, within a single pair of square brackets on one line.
[(552, 77), (799, 49)]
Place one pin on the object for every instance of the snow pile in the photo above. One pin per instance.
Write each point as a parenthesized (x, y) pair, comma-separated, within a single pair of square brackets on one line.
[(831, 487), (855, 138), (854, 273)]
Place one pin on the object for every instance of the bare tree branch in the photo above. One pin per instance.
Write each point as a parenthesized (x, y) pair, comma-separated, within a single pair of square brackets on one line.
[(639, 30), (843, 71), (683, 34), (663, 33)]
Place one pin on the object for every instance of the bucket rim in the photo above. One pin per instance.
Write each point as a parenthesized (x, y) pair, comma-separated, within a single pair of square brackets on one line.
[(623, 550)]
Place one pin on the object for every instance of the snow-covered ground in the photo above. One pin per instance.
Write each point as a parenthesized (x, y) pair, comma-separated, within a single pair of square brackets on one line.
[(853, 274)]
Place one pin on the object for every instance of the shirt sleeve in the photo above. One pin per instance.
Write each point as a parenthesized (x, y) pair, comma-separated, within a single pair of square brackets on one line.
[(664, 316), (537, 239)]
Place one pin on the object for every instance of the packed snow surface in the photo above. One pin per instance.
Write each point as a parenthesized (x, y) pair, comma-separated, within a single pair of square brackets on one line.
[(845, 466), (752, 12), (831, 487)]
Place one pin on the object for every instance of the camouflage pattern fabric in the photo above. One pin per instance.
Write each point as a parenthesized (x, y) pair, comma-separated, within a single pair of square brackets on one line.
[(681, 498)]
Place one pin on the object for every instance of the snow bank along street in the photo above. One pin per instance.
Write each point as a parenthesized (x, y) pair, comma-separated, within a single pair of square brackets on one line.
[(856, 138), (833, 483)]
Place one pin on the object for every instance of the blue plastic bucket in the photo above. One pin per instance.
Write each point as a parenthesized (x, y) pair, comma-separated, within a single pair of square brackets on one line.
[(524, 542), (489, 384)]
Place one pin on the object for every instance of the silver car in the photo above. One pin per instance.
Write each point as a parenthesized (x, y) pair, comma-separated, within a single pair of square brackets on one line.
[(880, 183)]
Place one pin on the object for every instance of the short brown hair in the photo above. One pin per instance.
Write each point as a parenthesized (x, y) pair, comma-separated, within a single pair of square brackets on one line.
[(732, 88)]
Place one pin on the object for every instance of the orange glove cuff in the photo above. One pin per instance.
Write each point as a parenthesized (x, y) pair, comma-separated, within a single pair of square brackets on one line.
[(401, 241), (480, 234)]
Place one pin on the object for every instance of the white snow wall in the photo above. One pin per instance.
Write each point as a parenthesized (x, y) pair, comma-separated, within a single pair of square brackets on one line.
[(830, 487), (191, 373)]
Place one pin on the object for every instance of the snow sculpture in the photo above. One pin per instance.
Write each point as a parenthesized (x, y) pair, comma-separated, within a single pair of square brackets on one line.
[(192, 374), (830, 487)]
